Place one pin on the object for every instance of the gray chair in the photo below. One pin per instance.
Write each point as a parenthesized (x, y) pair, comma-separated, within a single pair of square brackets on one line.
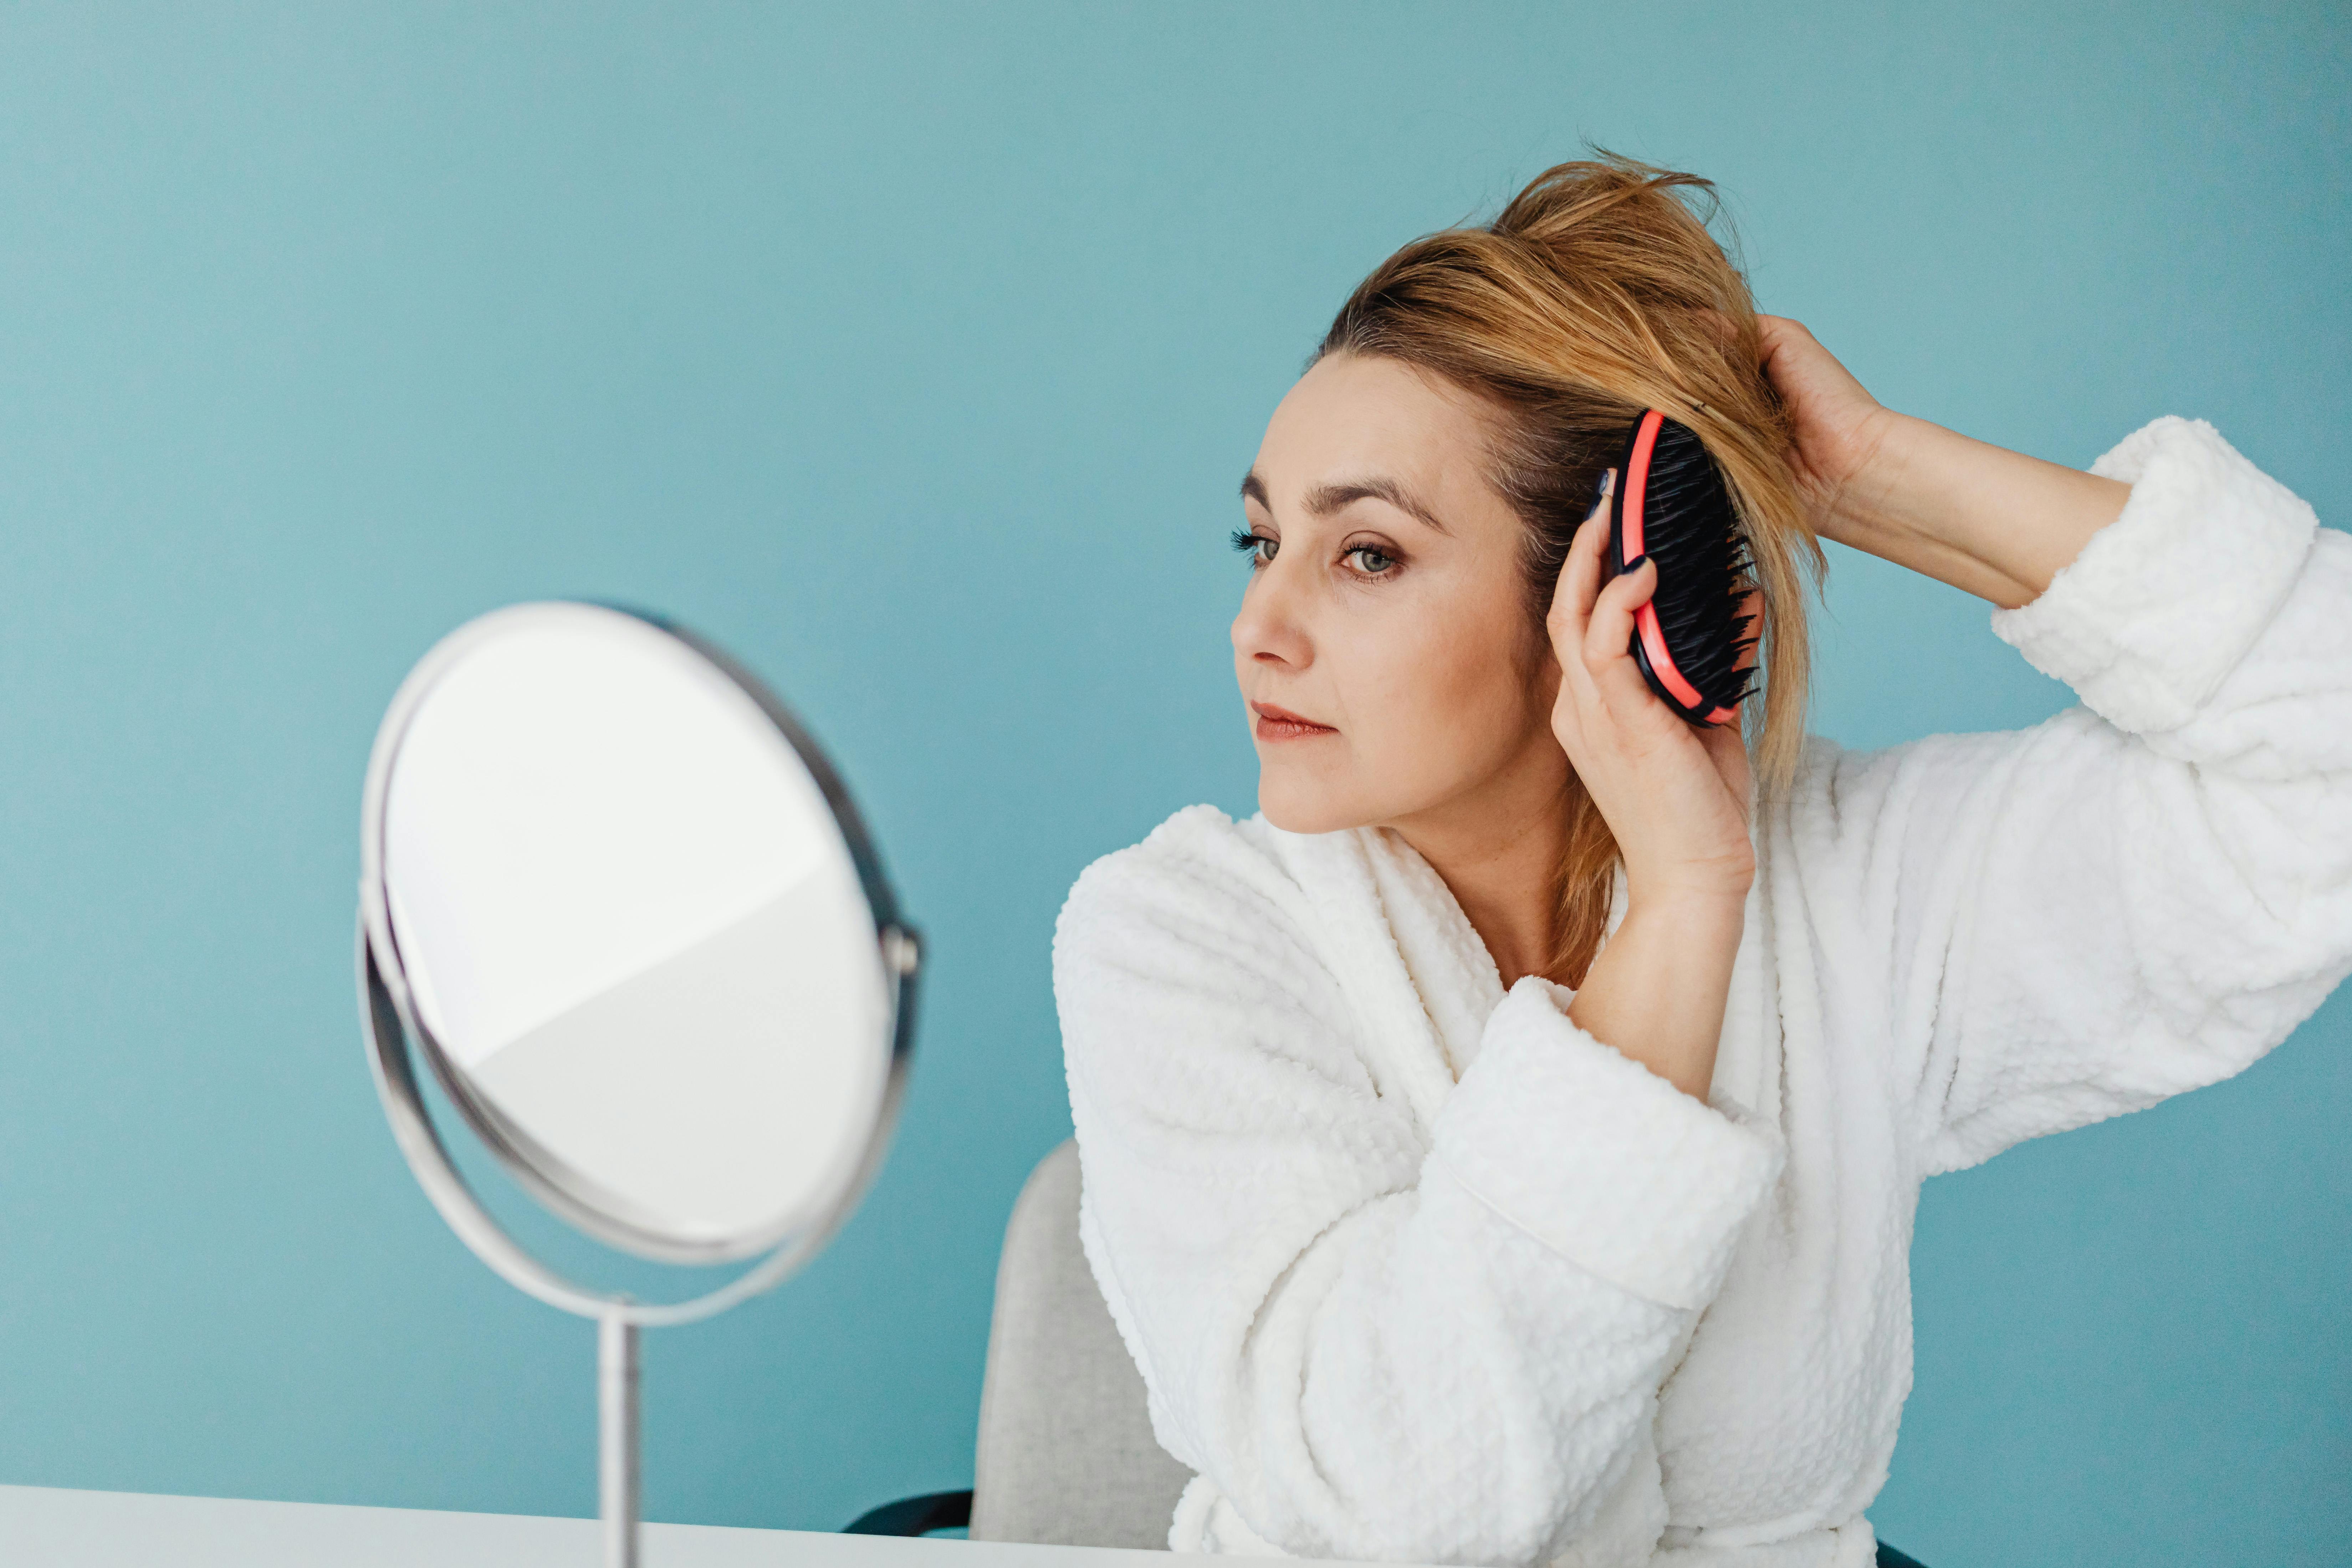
[(1066, 1454)]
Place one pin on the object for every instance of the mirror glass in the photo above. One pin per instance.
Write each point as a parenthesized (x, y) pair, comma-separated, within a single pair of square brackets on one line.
[(635, 932)]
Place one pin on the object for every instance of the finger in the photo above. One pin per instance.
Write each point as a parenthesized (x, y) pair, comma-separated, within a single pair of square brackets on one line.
[(1776, 330), (1608, 654), (1580, 574), (1791, 355), (1774, 334)]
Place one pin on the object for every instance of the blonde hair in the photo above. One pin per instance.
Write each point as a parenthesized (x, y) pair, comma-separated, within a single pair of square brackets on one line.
[(1600, 291)]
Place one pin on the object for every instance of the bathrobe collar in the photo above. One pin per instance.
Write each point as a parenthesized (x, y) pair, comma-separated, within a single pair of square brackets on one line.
[(1418, 976)]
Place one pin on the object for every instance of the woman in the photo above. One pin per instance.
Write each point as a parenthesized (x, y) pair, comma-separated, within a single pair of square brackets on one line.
[(1503, 1147)]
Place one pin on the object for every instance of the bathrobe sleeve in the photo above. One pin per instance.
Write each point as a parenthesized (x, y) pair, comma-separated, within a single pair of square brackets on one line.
[(1377, 1340), (2148, 891)]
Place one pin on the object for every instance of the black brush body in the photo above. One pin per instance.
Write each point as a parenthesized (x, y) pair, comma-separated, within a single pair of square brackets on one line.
[(1672, 504)]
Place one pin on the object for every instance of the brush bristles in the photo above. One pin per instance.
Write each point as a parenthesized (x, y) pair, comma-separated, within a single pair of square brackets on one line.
[(1691, 529)]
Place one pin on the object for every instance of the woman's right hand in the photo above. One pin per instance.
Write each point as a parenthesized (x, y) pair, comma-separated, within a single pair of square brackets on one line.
[(1674, 795)]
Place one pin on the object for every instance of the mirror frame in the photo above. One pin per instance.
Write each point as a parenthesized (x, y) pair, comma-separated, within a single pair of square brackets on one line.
[(395, 1034)]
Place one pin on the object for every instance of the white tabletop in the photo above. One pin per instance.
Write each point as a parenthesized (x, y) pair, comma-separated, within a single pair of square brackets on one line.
[(49, 1527)]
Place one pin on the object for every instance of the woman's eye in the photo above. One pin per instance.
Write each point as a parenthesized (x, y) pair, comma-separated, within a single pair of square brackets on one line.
[(1259, 547), (1371, 558)]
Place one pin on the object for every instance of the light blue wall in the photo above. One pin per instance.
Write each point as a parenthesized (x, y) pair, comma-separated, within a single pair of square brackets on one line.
[(914, 352)]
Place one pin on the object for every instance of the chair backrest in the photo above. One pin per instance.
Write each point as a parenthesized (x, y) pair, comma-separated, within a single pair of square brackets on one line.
[(1066, 1454)]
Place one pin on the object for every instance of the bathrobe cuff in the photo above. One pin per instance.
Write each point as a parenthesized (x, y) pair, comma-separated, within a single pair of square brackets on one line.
[(1599, 1158), (2161, 604)]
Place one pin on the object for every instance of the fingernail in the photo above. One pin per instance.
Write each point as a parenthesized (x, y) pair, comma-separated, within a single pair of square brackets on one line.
[(1635, 563)]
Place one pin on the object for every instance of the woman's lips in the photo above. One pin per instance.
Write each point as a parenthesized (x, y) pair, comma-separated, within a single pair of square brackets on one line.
[(1281, 724)]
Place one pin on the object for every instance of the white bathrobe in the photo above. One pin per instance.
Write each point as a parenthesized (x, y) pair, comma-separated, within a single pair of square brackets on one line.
[(1416, 1270)]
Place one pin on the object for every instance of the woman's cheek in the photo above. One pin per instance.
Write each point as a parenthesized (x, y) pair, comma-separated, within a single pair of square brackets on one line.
[(1416, 701), (1469, 679)]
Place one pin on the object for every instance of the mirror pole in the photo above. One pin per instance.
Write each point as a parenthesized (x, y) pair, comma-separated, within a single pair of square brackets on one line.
[(616, 1410)]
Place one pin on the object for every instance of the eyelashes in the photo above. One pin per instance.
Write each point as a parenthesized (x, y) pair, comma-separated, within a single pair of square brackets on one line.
[(1246, 539)]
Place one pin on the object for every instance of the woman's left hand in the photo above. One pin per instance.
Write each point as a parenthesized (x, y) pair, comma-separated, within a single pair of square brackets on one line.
[(1992, 522), (1839, 430)]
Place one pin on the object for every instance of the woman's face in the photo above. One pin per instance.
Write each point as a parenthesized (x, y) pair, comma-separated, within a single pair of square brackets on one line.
[(1385, 608)]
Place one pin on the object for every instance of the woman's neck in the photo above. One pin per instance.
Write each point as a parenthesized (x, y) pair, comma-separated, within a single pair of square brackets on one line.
[(1498, 851)]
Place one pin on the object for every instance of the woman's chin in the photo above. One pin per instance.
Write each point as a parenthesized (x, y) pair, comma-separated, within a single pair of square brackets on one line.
[(1296, 810)]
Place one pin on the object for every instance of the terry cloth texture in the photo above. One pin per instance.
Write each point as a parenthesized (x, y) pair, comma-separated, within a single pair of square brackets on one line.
[(1416, 1270)]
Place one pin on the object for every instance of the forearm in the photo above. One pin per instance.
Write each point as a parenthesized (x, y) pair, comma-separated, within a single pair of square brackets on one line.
[(1990, 521), (1657, 989), (2060, 973)]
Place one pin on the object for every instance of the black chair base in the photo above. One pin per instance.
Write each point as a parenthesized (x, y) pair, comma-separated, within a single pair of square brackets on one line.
[(920, 1515), (952, 1511)]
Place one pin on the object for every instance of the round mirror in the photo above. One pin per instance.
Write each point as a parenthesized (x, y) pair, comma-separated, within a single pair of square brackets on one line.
[(617, 901), (641, 943)]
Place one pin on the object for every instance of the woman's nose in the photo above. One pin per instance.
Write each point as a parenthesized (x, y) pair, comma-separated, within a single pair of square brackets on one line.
[(1270, 627)]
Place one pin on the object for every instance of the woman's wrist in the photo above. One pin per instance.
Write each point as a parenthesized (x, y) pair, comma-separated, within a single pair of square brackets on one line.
[(1988, 521), (1656, 990), (1873, 498), (1704, 919), (1897, 504), (1703, 898)]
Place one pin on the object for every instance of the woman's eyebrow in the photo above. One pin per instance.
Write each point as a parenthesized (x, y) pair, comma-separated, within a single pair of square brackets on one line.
[(1324, 500)]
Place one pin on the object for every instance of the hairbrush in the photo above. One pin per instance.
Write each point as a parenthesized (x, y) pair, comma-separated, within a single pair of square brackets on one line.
[(1671, 503)]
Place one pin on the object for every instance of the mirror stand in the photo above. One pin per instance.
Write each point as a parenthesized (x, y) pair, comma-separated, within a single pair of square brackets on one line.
[(618, 1493)]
